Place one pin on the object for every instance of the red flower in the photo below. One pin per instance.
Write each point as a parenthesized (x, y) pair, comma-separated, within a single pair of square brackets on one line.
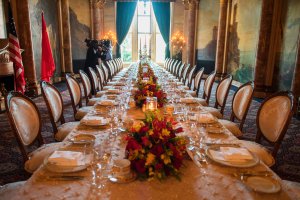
[(146, 141), (179, 130), (158, 166), (157, 150), (133, 144), (177, 163), (139, 165), (144, 129)]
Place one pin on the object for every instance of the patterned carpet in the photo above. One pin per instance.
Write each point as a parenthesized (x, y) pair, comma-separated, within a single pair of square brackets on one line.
[(11, 162)]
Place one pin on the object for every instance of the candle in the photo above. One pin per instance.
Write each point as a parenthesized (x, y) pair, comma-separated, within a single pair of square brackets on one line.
[(140, 44)]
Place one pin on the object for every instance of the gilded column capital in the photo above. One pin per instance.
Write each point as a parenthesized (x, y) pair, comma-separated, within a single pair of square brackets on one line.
[(98, 3)]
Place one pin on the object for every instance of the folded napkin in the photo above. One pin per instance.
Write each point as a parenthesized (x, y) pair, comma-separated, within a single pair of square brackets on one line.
[(111, 83), (67, 158), (114, 91), (206, 118), (188, 100), (106, 102), (94, 120), (232, 154)]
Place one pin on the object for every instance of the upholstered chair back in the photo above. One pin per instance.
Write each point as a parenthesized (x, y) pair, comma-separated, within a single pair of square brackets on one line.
[(274, 114), (95, 80), (24, 119), (175, 69), (53, 100), (101, 77), (74, 90), (197, 81), (184, 74), (171, 65), (86, 84), (208, 86), (190, 77), (273, 118), (105, 73), (241, 100), (112, 70), (223, 90), (166, 62), (180, 69)]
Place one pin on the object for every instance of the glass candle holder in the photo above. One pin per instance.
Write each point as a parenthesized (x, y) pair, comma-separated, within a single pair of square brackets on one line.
[(151, 103)]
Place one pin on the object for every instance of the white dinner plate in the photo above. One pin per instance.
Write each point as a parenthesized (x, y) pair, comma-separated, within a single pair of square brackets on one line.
[(243, 164), (215, 130), (263, 184), (83, 139), (67, 169)]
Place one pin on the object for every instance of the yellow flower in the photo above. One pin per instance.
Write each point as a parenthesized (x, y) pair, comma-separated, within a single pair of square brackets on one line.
[(150, 132), (165, 132), (150, 159), (134, 155), (166, 159)]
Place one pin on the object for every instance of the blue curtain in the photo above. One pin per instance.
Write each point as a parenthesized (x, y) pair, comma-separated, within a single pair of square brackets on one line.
[(162, 15), (125, 12)]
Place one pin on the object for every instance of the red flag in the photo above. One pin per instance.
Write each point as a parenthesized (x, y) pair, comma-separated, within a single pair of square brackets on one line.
[(14, 52), (47, 65)]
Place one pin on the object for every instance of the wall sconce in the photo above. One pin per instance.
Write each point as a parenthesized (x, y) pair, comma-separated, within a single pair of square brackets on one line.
[(112, 37), (178, 42)]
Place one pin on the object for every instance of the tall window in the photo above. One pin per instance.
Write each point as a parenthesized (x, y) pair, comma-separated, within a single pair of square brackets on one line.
[(144, 31), (160, 46), (144, 23), (126, 47)]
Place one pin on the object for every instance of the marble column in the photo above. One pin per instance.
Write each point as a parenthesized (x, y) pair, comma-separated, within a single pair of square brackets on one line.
[(269, 34), (221, 39), (296, 77), (97, 18), (24, 34), (191, 31), (66, 34)]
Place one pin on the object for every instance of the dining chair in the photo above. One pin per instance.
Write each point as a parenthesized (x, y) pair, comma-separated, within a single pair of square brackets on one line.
[(197, 80), (273, 118), (166, 63), (191, 76), (189, 80), (106, 74), (55, 106), (75, 93), (25, 121), (221, 97), (101, 78), (240, 105), (87, 86), (179, 71), (208, 83), (185, 72)]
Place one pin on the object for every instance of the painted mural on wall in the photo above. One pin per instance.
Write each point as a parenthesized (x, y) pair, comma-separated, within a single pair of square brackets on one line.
[(286, 56), (243, 39), (50, 12), (208, 19), (80, 28)]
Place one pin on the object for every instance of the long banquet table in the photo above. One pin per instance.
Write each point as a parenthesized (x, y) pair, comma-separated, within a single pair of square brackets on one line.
[(206, 181)]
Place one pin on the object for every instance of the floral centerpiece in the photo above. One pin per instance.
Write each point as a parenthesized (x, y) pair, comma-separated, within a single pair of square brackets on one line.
[(153, 147), (148, 87)]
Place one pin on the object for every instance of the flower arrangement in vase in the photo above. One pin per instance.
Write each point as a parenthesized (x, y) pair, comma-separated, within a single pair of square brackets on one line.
[(147, 87), (154, 149)]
